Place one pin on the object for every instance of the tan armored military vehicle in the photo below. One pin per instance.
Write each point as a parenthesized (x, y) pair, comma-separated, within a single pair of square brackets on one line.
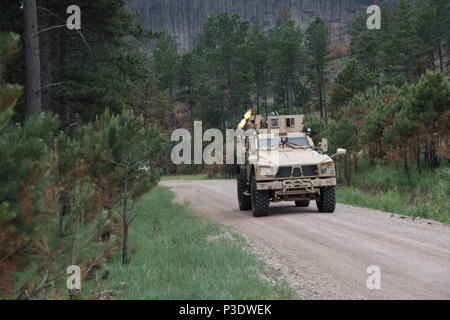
[(282, 164)]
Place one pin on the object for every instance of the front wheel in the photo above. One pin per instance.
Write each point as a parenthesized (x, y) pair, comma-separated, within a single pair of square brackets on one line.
[(260, 200), (242, 191), (327, 200)]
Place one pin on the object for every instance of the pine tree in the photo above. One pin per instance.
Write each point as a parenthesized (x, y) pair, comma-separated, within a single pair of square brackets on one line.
[(224, 92), (287, 59), (344, 133), (101, 65), (189, 79), (9, 94), (317, 41), (366, 44), (403, 53), (433, 34), (122, 148), (258, 57), (25, 161), (353, 80), (374, 124), (165, 60), (166, 63)]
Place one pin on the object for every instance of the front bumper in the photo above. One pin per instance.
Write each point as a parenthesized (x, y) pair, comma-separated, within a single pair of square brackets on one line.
[(296, 186)]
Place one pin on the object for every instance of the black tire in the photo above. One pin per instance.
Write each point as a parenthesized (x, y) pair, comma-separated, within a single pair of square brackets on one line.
[(302, 204), (245, 202), (260, 200), (327, 200)]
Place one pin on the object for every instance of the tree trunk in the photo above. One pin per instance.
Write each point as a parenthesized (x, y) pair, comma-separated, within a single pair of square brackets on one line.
[(60, 223), (347, 169), (435, 159), (287, 103), (231, 109), (33, 64), (125, 219), (172, 106), (324, 98), (125, 259), (441, 61), (322, 114), (44, 50), (418, 161), (266, 108), (407, 168), (258, 101)]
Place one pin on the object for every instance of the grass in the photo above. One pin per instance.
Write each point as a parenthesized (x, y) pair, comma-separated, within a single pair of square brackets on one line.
[(193, 177), (425, 195), (176, 255), (185, 177)]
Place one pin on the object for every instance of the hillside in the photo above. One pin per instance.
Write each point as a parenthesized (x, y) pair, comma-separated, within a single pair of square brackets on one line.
[(184, 19)]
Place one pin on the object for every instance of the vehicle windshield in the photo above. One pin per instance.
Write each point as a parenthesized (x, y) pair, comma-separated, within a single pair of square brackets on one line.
[(299, 142), (268, 143)]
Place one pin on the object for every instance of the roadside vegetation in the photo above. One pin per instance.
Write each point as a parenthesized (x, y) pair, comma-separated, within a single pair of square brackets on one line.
[(68, 183), (179, 256), (199, 176), (390, 108), (389, 189), (185, 177)]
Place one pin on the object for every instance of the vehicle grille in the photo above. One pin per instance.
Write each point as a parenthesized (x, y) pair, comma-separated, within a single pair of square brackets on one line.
[(309, 171), (297, 173), (284, 172)]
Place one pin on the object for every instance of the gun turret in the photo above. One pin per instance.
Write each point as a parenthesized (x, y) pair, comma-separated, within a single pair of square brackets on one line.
[(284, 124)]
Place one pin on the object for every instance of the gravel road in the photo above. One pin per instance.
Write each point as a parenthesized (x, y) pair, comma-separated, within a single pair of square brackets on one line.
[(326, 256)]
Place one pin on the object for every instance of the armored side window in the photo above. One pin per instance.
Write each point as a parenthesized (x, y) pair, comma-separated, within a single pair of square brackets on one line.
[(290, 122), (275, 123)]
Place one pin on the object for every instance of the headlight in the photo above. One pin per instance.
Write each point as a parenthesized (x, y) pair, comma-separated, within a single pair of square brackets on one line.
[(268, 171), (327, 169)]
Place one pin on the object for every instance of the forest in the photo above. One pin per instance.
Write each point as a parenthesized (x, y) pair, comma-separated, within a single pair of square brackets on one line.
[(86, 115)]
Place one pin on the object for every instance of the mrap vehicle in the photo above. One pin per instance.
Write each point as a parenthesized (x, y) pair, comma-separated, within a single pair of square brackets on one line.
[(283, 164)]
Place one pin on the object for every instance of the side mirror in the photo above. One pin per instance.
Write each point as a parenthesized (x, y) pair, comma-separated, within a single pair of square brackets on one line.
[(324, 145), (308, 131), (339, 152)]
